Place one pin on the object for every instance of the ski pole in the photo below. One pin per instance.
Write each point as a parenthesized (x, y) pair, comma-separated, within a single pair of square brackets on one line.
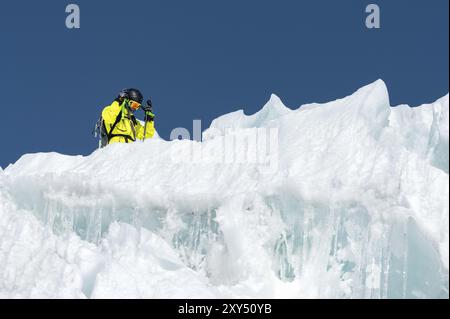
[(145, 127), (147, 109)]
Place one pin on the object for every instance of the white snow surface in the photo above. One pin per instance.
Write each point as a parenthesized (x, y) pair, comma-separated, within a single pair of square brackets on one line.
[(348, 199)]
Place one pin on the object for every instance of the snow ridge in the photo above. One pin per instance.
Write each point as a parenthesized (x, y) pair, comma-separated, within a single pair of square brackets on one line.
[(355, 205)]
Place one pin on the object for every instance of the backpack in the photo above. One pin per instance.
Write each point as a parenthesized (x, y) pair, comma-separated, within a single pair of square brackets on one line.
[(101, 133)]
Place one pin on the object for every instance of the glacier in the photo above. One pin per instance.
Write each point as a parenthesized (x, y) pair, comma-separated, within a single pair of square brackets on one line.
[(347, 199)]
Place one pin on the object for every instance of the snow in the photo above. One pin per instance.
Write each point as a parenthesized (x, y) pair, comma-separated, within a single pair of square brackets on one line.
[(424, 130), (347, 199)]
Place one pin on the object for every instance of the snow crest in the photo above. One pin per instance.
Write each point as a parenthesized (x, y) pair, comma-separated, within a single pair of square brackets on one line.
[(355, 205)]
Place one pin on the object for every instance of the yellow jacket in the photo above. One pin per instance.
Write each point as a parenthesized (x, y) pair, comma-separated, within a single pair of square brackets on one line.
[(128, 129)]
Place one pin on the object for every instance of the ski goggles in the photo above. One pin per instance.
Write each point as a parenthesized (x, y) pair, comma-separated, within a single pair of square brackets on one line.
[(134, 105)]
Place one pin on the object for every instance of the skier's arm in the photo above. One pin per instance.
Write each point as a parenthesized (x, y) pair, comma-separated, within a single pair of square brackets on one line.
[(109, 115), (149, 133), (149, 127)]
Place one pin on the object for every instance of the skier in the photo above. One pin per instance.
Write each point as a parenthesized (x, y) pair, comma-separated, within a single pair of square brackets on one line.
[(119, 124)]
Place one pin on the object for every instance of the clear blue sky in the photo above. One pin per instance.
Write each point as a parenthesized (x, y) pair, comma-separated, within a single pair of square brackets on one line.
[(199, 59)]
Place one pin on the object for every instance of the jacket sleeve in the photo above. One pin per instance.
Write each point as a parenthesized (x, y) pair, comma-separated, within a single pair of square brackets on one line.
[(110, 114), (149, 133)]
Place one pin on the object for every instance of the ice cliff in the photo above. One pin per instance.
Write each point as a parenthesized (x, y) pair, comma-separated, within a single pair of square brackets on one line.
[(348, 199)]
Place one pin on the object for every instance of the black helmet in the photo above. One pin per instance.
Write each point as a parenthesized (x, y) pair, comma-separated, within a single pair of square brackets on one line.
[(132, 94)]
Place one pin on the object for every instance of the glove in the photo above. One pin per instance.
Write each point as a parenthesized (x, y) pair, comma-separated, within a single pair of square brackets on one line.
[(150, 116), (148, 109)]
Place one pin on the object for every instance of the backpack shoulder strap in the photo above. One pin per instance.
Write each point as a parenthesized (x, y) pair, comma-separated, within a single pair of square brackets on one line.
[(118, 118)]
